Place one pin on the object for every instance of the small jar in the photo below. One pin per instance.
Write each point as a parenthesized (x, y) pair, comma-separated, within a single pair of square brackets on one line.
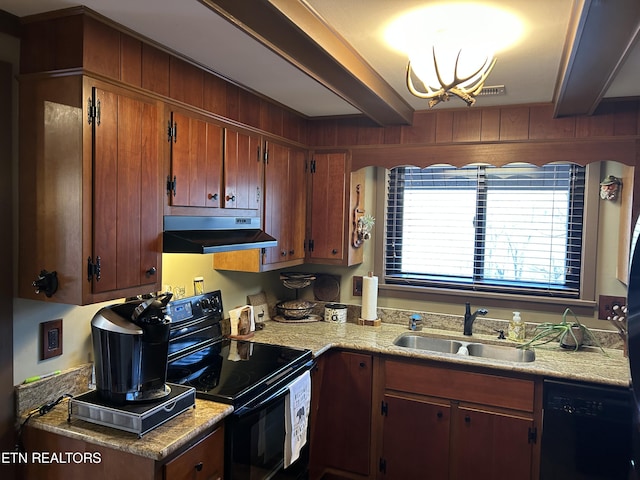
[(335, 312)]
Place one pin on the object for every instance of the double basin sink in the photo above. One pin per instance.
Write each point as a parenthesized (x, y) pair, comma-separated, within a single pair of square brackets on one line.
[(472, 349)]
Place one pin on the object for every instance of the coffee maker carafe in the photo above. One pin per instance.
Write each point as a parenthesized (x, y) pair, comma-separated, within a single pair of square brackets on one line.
[(131, 344)]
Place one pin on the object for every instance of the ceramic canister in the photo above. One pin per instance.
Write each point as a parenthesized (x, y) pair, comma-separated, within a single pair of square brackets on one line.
[(335, 312)]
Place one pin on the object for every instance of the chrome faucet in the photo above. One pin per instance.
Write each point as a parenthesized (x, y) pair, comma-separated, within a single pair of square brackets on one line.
[(469, 318)]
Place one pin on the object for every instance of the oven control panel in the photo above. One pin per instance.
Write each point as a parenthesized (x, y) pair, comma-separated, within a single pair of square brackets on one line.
[(197, 307)]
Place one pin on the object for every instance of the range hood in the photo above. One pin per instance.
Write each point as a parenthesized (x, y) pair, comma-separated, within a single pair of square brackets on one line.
[(184, 234)]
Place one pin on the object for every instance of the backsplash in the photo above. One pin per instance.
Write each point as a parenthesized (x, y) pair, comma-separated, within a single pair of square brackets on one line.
[(482, 325), (73, 381)]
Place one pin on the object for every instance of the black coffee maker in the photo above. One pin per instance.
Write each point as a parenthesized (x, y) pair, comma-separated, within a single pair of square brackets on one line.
[(130, 344)]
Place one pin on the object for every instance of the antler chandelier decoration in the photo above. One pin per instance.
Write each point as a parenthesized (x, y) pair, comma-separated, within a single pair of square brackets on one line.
[(465, 87)]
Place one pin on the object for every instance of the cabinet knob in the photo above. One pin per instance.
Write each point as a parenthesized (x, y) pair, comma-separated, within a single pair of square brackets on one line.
[(467, 419), (199, 466), (283, 253), (439, 415), (151, 271), (334, 251), (212, 196), (231, 198), (362, 364)]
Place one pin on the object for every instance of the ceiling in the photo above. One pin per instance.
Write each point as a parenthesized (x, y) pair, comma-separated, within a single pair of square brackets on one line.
[(328, 57)]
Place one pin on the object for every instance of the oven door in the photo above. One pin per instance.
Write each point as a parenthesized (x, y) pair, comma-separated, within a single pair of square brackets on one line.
[(255, 439)]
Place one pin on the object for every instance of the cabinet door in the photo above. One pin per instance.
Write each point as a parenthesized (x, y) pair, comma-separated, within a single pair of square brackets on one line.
[(342, 432), (276, 218), (204, 460), (415, 440), (242, 171), (491, 445), (126, 203), (297, 203), (196, 162), (285, 203), (328, 197)]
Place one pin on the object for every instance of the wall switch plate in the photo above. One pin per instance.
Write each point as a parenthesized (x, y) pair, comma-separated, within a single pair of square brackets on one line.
[(357, 286), (606, 304), (50, 339)]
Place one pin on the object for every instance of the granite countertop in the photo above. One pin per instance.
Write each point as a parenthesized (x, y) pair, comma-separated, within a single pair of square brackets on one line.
[(588, 364), (160, 442)]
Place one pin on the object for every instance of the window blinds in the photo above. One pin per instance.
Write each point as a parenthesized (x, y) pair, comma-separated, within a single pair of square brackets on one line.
[(514, 228)]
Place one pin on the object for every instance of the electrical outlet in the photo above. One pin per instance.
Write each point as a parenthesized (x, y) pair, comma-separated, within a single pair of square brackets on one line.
[(357, 286), (50, 339), (606, 304)]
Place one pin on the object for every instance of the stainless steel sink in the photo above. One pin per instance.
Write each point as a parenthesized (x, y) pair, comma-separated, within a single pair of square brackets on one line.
[(510, 354), (443, 345), (428, 343)]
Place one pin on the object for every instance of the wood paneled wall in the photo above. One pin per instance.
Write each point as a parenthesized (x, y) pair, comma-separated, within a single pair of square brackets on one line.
[(78, 38), (7, 409), (479, 125)]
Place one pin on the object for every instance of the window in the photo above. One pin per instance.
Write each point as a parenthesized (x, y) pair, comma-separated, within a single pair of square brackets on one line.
[(514, 229)]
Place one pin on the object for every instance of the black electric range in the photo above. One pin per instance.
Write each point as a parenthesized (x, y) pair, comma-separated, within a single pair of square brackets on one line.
[(256, 378), (236, 372)]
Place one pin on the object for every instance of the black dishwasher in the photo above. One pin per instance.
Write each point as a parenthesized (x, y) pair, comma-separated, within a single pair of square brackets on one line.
[(586, 432)]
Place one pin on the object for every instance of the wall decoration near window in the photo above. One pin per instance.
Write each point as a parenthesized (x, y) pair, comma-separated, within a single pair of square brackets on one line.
[(362, 223), (610, 188)]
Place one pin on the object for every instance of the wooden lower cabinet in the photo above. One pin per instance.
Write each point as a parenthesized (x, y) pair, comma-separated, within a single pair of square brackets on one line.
[(443, 423), (415, 440), (203, 460), (341, 417), (491, 445)]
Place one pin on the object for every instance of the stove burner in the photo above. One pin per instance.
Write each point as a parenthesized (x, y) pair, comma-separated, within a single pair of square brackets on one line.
[(224, 370)]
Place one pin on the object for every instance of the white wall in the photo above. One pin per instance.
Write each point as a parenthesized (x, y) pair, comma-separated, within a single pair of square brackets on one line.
[(178, 269)]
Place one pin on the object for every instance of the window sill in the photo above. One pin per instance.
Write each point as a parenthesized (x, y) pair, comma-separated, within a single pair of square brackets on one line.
[(488, 298)]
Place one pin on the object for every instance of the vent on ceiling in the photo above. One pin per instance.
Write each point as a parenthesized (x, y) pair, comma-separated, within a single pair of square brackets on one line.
[(493, 91)]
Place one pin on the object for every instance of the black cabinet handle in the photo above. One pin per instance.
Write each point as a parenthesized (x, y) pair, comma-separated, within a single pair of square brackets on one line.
[(291, 252), (362, 364), (283, 253), (199, 466), (231, 198), (151, 271), (213, 196), (467, 419), (334, 251), (439, 415)]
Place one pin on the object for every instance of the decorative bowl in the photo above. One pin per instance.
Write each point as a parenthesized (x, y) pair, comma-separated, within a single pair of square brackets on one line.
[(295, 309)]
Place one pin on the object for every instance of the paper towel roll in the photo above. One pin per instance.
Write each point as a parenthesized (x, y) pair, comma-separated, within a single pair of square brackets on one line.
[(369, 298)]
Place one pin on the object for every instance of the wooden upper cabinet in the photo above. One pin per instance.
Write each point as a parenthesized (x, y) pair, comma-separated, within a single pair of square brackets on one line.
[(196, 161), (243, 171), (90, 190), (284, 214), (285, 203), (334, 195), (126, 201)]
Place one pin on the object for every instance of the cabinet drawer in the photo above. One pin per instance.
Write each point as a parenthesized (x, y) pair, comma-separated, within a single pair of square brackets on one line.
[(204, 460), (481, 388)]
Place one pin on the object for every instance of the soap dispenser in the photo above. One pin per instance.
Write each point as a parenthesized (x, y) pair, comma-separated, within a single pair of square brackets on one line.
[(516, 328)]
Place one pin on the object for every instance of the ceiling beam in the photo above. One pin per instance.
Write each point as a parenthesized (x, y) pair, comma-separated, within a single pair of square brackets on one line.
[(291, 29), (601, 35)]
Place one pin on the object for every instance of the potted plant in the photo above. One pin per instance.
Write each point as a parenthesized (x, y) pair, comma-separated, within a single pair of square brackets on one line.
[(568, 334)]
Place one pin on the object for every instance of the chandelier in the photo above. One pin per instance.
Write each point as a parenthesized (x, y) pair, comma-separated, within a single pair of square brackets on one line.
[(436, 89), (451, 46)]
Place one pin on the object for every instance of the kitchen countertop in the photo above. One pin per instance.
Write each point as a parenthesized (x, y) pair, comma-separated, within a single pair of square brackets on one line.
[(156, 444), (588, 365)]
